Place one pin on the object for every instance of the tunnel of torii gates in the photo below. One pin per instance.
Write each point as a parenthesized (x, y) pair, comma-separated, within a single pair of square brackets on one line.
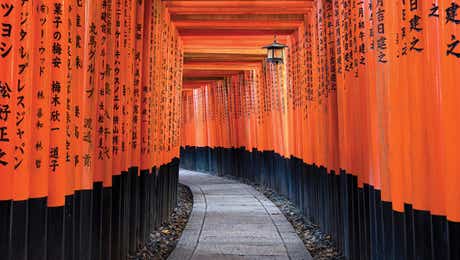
[(359, 126)]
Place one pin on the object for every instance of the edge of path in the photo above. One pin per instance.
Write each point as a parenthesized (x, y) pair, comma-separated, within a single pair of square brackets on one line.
[(188, 241)]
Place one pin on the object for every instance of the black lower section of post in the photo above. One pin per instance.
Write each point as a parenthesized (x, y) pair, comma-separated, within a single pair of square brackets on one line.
[(69, 228), (116, 217), (454, 240), (55, 233), (77, 225), (19, 230), (37, 229), (133, 211), (106, 250), (85, 243), (96, 250), (5, 228)]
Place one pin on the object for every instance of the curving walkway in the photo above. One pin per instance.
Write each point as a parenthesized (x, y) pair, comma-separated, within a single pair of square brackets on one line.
[(231, 220)]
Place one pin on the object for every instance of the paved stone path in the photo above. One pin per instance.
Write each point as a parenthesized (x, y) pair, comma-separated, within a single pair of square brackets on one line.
[(231, 220)]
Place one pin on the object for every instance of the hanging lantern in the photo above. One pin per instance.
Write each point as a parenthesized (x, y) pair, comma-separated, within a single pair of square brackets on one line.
[(275, 52)]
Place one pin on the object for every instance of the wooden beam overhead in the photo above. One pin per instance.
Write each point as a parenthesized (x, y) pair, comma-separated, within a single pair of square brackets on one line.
[(200, 74), (237, 17), (206, 79), (239, 10), (232, 42), (190, 57), (237, 25), (238, 7), (233, 32), (224, 3), (225, 66), (215, 50)]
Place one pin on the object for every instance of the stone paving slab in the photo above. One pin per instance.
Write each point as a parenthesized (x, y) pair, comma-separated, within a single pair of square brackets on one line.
[(231, 220)]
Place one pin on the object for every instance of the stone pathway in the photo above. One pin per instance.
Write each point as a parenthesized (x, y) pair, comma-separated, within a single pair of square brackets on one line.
[(231, 220)]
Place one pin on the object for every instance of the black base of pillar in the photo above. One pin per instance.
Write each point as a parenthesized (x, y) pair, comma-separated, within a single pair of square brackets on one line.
[(55, 233), (37, 229)]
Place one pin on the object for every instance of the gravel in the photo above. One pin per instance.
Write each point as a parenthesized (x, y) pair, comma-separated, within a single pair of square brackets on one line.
[(320, 245), (162, 241)]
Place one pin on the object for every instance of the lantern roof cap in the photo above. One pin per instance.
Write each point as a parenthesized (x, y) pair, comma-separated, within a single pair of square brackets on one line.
[(275, 45)]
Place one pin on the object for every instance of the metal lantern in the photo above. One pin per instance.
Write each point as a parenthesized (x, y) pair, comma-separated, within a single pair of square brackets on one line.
[(275, 52)]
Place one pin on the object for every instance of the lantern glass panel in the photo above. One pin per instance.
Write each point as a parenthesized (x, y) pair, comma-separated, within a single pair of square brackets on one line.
[(270, 53), (278, 53)]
